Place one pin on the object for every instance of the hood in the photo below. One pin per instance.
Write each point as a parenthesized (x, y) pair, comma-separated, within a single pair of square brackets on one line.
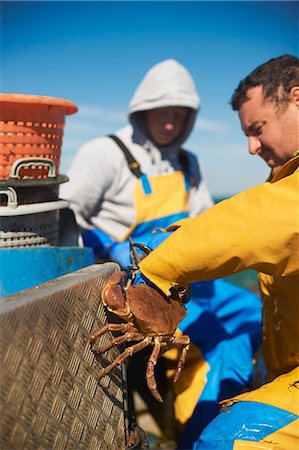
[(165, 84)]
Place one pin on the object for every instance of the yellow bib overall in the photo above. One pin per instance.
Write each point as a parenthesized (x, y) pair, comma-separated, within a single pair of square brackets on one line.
[(159, 201)]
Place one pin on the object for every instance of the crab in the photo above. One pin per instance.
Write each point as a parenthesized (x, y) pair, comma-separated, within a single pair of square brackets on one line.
[(149, 319)]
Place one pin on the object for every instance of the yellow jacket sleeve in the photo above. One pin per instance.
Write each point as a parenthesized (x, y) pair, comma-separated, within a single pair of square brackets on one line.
[(257, 229)]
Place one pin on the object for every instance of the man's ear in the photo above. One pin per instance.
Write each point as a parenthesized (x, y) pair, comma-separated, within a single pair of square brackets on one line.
[(294, 95)]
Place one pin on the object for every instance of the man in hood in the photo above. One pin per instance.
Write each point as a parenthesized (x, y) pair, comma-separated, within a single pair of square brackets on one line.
[(140, 179), (111, 201)]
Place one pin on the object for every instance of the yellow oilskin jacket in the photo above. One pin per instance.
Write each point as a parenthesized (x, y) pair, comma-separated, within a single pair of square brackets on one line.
[(257, 229)]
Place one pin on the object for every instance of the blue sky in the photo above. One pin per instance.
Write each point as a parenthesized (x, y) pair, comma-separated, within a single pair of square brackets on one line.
[(95, 53)]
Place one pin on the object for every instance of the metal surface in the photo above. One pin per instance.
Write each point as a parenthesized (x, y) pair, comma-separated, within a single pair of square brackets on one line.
[(50, 396)]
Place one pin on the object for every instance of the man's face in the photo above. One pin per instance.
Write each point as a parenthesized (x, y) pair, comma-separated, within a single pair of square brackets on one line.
[(272, 133), (165, 124)]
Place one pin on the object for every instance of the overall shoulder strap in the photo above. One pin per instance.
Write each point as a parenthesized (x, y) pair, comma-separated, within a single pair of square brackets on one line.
[(132, 163), (184, 161)]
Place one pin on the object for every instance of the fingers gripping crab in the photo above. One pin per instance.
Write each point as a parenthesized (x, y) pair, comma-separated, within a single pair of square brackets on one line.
[(150, 319)]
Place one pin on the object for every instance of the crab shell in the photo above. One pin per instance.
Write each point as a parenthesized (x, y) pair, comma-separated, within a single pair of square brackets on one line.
[(145, 307)]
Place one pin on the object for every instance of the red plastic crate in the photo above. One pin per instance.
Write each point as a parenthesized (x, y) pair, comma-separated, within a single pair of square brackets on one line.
[(31, 135)]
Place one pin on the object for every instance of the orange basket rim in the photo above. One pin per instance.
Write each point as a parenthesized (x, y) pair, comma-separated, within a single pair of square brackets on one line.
[(68, 106)]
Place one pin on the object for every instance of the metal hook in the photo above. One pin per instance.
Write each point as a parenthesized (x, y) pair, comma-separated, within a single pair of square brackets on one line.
[(135, 258)]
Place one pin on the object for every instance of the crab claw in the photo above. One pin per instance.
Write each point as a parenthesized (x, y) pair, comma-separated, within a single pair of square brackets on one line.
[(113, 293)]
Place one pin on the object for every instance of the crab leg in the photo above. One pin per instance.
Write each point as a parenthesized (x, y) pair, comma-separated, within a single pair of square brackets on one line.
[(127, 337), (185, 342), (181, 341), (150, 370), (110, 327), (123, 356), (181, 363)]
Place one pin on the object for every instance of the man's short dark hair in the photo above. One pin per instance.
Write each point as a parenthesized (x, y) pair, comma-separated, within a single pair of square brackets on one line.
[(276, 76)]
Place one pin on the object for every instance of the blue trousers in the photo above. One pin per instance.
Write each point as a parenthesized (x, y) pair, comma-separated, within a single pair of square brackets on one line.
[(224, 323)]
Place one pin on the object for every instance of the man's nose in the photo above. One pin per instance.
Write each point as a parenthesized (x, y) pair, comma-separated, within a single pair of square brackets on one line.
[(254, 145), (169, 122), (169, 125)]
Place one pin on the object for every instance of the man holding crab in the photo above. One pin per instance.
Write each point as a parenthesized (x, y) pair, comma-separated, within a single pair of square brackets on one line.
[(257, 229)]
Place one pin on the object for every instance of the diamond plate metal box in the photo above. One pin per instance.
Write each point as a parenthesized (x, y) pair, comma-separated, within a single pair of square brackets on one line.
[(50, 397)]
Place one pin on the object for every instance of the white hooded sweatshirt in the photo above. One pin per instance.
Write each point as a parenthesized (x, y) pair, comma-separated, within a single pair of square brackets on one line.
[(101, 185)]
